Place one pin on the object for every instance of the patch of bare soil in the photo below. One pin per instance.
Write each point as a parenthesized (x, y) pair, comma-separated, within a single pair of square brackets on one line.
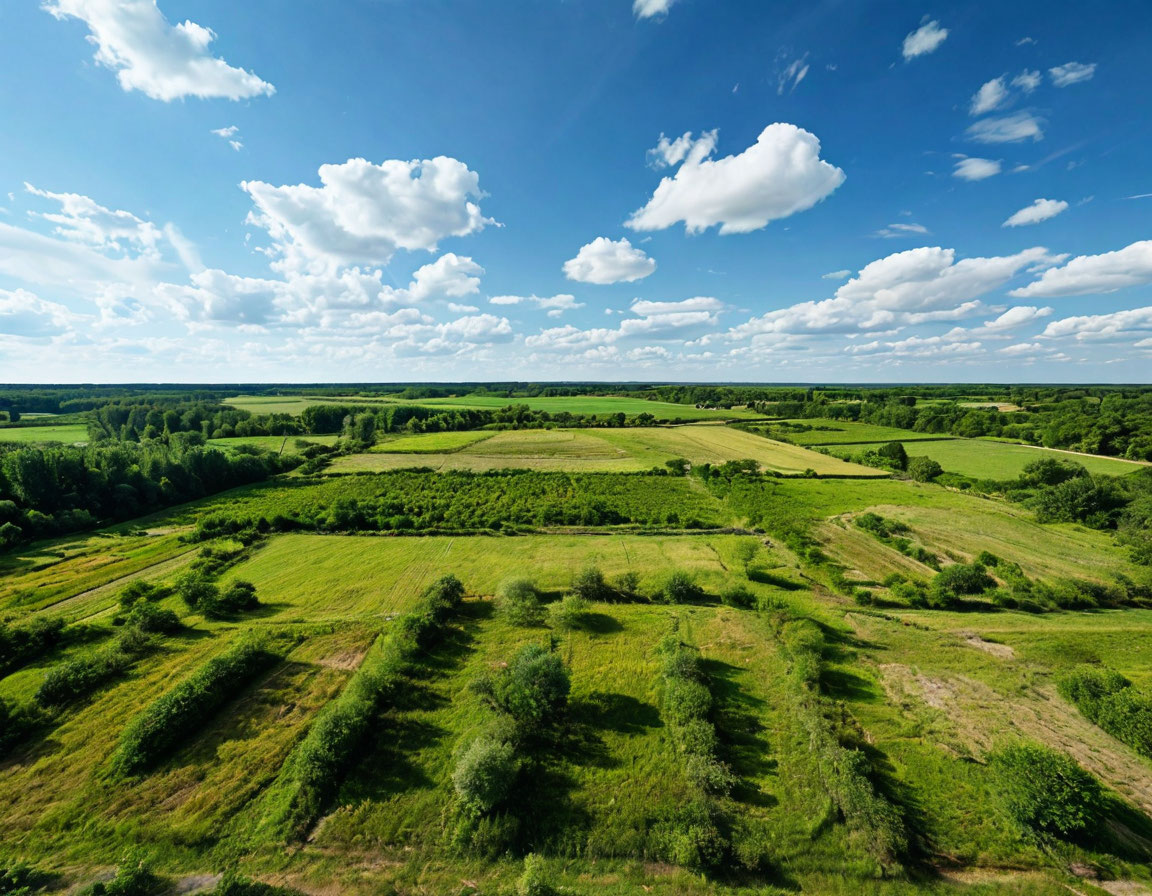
[(1000, 650)]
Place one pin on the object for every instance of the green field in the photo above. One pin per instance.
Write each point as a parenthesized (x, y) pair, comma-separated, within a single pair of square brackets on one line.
[(431, 442), (610, 450), (845, 432), (576, 404), (279, 444), (986, 459), (69, 433)]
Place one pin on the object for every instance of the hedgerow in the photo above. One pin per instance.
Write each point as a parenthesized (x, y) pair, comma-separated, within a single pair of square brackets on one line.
[(22, 644), (1047, 791), (78, 678), (1110, 700), (169, 719), (313, 772)]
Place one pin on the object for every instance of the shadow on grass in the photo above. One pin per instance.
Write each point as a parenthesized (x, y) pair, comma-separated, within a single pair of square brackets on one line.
[(767, 578), (736, 715), (840, 684), (599, 624)]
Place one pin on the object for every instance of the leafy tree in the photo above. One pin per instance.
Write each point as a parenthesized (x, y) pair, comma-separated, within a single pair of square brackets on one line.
[(532, 689), (485, 774), (923, 469), (895, 453), (680, 588), (534, 881), (745, 551), (518, 601), (568, 612), (590, 584)]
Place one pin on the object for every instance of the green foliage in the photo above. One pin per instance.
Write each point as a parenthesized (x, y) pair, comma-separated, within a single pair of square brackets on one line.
[(532, 690), (689, 835), (518, 601), (959, 580), (152, 619), (894, 452), (70, 681), (133, 878), (535, 880), (591, 585), (22, 880), (233, 884), (746, 551), (628, 583), (1047, 791), (687, 707), (22, 644), (195, 589), (171, 718), (1093, 500), (568, 613), (485, 774), (738, 596), (680, 588), (923, 469), (1109, 700)]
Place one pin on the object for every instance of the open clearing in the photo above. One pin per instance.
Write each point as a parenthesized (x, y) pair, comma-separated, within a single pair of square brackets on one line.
[(846, 432), (279, 444), (632, 449), (1001, 460), (69, 433), (431, 442)]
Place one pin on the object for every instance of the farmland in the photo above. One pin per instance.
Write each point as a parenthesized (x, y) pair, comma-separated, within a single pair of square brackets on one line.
[(607, 450), (69, 433), (998, 460), (777, 671)]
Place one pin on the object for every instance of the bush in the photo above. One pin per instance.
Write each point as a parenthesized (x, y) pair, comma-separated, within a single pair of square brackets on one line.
[(628, 583), (151, 619), (568, 612), (958, 580), (77, 678), (534, 881), (688, 835), (738, 596), (1109, 700), (485, 774), (589, 583), (894, 453), (20, 645), (133, 878), (923, 469), (1047, 791), (171, 718), (680, 588), (518, 601), (195, 589), (532, 689)]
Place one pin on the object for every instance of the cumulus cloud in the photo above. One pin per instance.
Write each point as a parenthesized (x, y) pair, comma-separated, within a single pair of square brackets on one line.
[(1102, 327), (779, 175), (1007, 128), (991, 96), (363, 213), (650, 321), (449, 276), (924, 39), (1039, 210), (84, 220), (25, 315), (605, 261), (163, 61), (1071, 73), (229, 133), (1090, 274), (914, 286), (647, 9), (976, 169), (555, 305), (1017, 317)]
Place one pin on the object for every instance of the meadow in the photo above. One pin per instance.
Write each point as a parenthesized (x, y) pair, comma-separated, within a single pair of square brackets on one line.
[(984, 459), (632, 449), (68, 433), (278, 444), (826, 431)]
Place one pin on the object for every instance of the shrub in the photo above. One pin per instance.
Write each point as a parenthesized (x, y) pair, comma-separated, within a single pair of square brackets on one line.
[(895, 454), (1109, 700), (77, 678), (532, 689), (568, 612), (485, 774), (628, 583), (738, 596), (923, 469), (518, 601), (687, 835), (22, 644), (534, 881), (133, 878), (1047, 791), (746, 551), (152, 619), (680, 588), (137, 591), (960, 579), (589, 583), (195, 589), (171, 718)]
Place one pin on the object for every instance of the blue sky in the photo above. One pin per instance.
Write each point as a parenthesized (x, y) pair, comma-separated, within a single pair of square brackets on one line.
[(390, 190)]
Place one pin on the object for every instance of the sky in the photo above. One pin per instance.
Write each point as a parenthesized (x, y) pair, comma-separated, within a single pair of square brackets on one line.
[(677, 190)]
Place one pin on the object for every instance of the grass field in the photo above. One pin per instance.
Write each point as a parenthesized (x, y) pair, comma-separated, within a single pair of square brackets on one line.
[(431, 442), (1001, 460), (577, 404), (843, 432), (285, 444), (612, 450), (69, 433)]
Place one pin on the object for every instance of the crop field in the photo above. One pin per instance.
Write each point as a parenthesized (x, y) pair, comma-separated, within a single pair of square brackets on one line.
[(999, 460), (633, 449), (847, 432), (68, 433), (431, 442)]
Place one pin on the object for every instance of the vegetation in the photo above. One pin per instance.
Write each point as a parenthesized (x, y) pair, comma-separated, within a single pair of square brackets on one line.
[(1109, 700), (1047, 791)]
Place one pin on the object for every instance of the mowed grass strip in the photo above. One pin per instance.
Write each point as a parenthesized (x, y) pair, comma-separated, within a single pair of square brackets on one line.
[(1001, 460), (69, 433), (275, 443), (432, 442), (827, 431)]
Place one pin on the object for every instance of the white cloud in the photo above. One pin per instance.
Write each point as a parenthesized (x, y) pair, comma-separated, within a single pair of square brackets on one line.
[(449, 276), (893, 231), (836, 275), (668, 152), (976, 169), (228, 134), (1007, 128), (914, 286), (364, 212), (1102, 327), (1039, 210), (1027, 81), (924, 39), (25, 315), (1071, 73), (779, 175), (792, 74), (84, 220), (646, 9), (1023, 348), (603, 261), (1017, 317), (1089, 274), (991, 96), (148, 54), (655, 321), (555, 305)]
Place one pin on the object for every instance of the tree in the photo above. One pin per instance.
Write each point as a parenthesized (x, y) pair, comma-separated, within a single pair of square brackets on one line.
[(568, 612), (485, 773), (533, 689), (1047, 791), (518, 601), (894, 452), (589, 584), (924, 469)]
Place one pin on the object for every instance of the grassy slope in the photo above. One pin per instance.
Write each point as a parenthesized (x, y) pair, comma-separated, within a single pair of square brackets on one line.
[(70, 433), (1002, 460)]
